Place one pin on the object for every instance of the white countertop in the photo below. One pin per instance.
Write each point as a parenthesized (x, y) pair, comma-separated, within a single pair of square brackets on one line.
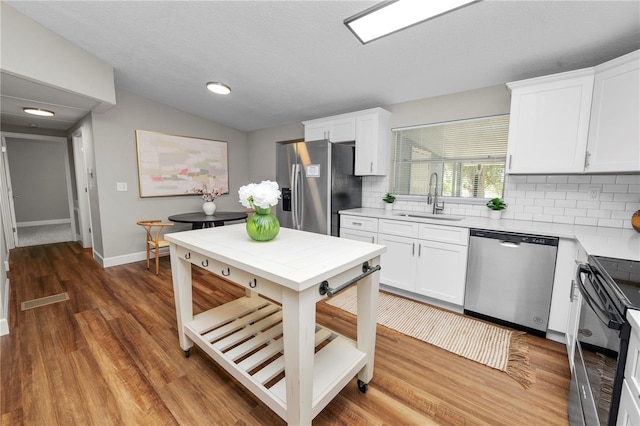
[(295, 259), (599, 241)]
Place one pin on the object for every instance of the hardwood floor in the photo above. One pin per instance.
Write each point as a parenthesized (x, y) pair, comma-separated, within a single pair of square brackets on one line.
[(110, 355)]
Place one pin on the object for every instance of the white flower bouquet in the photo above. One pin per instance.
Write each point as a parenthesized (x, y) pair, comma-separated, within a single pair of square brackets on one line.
[(263, 195)]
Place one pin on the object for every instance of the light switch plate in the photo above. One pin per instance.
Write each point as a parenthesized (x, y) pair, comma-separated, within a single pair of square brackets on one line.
[(121, 186)]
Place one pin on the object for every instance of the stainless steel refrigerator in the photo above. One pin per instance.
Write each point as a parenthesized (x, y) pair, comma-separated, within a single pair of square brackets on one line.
[(317, 180)]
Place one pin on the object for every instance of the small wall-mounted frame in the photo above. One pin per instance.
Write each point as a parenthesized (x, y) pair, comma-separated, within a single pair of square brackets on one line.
[(174, 165)]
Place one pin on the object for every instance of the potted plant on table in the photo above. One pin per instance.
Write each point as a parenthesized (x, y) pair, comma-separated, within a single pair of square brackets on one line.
[(388, 201), (496, 207), (262, 226)]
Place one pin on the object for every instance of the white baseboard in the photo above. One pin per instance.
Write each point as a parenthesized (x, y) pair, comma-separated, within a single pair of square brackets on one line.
[(128, 258), (4, 311), (43, 222)]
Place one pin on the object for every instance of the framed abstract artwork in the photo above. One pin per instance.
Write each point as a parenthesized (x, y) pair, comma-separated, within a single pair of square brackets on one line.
[(174, 165)]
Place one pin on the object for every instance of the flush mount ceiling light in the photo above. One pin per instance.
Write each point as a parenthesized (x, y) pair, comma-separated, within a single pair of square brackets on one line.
[(391, 16), (218, 88), (39, 111)]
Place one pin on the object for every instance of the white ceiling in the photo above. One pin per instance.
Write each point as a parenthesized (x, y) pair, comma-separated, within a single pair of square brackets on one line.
[(288, 61)]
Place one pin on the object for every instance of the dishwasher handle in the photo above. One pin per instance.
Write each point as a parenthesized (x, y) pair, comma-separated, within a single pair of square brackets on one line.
[(510, 244)]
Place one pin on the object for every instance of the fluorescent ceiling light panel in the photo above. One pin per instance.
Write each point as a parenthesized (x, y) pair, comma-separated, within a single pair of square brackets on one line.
[(391, 16)]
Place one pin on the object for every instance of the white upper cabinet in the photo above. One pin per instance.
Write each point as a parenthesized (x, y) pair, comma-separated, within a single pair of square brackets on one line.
[(334, 129), (614, 132), (370, 131), (549, 123), (372, 142), (584, 121)]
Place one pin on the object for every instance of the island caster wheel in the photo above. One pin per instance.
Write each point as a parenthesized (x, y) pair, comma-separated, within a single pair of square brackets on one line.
[(187, 353), (362, 386)]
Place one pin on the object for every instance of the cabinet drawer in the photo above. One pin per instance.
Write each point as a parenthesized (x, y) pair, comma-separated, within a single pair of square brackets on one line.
[(444, 234), (356, 234), (358, 222), (398, 227)]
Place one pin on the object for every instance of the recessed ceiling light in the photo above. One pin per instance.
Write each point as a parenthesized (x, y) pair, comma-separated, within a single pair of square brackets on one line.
[(39, 111), (391, 16), (218, 88)]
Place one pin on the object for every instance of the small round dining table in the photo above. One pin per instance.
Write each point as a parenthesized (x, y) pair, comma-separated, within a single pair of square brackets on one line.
[(199, 220)]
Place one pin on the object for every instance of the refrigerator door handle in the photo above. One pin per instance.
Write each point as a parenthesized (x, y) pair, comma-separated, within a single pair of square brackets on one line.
[(296, 196)]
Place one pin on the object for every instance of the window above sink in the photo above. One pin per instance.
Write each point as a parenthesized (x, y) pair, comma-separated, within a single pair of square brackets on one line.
[(468, 157)]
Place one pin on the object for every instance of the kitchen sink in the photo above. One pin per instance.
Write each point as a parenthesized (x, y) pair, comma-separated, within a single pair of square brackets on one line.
[(431, 216)]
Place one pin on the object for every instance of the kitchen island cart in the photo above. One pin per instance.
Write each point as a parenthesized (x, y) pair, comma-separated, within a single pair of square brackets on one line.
[(269, 340)]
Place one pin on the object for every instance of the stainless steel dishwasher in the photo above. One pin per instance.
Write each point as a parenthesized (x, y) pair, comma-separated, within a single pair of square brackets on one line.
[(510, 278)]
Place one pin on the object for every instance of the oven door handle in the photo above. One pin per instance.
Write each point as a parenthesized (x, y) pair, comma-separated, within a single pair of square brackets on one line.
[(603, 315)]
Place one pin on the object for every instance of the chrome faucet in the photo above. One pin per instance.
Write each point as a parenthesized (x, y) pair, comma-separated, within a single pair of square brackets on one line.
[(433, 199)]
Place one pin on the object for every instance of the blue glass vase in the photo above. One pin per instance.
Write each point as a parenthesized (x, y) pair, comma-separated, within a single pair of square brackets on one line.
[(263, 226)]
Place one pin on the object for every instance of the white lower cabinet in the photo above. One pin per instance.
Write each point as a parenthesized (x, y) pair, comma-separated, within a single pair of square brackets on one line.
[(398, 262), (358, 228), (441, 271), (355, 234), (629, 410), (433, 265)]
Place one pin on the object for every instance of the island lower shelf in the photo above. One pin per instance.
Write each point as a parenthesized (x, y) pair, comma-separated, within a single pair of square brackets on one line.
[(246, 338)]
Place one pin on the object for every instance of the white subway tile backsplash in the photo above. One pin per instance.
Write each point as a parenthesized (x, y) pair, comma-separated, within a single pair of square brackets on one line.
[(579, 179), (620, 189), (598, 213), (588, 204), (536, 179), (575, 212), (568, 187), (589, 221), (630, 198), (568, 204), (630, 179), (543, 202), (557, 179), (555, 211), (564, 219), (556, 195), (555, 198), (603, 179), (534, 194), (546, 187), (611, 223), (525, 201), (526, 187)]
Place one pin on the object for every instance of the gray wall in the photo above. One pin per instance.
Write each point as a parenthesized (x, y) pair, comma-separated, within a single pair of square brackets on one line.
[(38, 175), (114, 142), (473, 103), (262, 152)]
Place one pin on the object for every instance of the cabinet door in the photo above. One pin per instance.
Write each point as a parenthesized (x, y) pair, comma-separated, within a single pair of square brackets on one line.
[(614, 132), (549, 124), (441, 271), (628, 411), (354, 234), (315, 131), (343, 130), (372, 143), (398, 262)]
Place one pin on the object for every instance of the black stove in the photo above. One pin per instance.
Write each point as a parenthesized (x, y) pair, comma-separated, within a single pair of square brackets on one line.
[(624, 278)]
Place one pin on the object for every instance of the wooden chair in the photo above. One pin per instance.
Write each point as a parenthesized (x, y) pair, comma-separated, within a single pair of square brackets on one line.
[(154, 243)]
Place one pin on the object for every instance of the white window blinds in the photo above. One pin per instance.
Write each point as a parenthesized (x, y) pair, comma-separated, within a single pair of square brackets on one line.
[(468, 157)]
